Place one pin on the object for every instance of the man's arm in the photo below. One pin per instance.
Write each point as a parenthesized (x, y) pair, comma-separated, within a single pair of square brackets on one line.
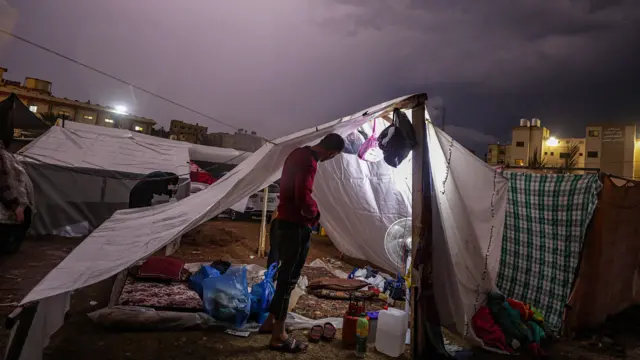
[(304, 175), (8, 197)]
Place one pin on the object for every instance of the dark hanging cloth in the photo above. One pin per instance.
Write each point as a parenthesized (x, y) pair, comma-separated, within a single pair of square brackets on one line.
[(428, 340), (398, 139), (155, 183)]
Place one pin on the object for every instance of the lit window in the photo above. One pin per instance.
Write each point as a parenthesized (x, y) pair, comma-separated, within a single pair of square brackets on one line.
[(88, 117), (594, 133), (564, 155), (33, 108), (519, 162), (108, 121), (138, 128)]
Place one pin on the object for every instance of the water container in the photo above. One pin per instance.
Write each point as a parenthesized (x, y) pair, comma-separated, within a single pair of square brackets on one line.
[(391, 332)]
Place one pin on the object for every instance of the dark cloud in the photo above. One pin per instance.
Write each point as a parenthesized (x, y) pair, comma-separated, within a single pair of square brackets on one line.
[(278, 67)]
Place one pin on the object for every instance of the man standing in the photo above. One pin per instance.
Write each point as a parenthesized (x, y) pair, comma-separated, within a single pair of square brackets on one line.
[(297, 214), (155, 183)]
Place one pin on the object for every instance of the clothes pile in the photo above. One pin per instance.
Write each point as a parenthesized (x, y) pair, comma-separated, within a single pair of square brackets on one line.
[(371, 276), (510, 325)]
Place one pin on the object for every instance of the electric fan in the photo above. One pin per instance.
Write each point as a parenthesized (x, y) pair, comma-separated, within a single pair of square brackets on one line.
[(397, 244)]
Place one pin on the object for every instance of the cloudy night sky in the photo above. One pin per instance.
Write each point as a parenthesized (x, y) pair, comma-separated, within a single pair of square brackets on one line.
[(284, 65)]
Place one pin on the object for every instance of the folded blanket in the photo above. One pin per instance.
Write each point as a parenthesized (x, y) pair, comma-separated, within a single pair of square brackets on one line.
[(337, 284)]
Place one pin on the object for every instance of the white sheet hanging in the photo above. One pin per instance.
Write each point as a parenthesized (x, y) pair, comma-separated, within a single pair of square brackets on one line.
[(469, 203)]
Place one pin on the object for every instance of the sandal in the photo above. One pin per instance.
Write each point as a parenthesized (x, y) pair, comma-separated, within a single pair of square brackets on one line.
[(316, 333), (328, 332), (290, 346)]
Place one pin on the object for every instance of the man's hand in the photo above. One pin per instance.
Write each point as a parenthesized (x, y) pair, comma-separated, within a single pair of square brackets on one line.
[(20, 214)]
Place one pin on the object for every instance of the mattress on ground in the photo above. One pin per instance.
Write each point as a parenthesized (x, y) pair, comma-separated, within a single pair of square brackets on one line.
[(163, 296)]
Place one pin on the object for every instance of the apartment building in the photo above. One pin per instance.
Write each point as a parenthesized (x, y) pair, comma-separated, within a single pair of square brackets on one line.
[(240, 140), (497, 154), (37, 96), (183, 131), (610, 148)]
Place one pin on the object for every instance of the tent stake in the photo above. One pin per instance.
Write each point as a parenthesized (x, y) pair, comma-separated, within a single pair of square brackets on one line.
[(263, 224)]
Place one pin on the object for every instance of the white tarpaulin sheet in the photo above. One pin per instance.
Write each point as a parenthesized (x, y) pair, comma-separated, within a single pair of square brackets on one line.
[(468, 222), (84, 173), (362, 200), (342, 184)]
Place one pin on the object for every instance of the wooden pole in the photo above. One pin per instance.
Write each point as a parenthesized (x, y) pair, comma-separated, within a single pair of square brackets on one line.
[(417, 203), (263, 224)]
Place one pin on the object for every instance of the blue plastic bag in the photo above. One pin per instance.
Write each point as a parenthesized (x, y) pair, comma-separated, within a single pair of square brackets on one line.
[(261, 295), (226, 297), (196, 280)]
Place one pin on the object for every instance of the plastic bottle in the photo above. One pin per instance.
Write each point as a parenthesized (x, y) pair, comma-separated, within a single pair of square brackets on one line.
[(362, 332)]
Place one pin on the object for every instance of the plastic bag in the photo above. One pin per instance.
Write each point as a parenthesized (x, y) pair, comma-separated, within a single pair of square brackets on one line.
[(261, 295), (196, 280), (226, 297), (369, 151), (397, 140), (147, 319), (353, 143)]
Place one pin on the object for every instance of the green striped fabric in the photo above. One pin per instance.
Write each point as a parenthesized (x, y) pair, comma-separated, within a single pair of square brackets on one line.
[(544, 228)]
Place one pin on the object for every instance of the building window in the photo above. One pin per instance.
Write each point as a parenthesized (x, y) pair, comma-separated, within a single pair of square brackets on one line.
[(552, 153), (581, 154), (567, 142), (520, 144), (564, 155), (546, 153), (88, 117), (109, 121), (501, 152), (33, 108), (594, 133), (519, 162), (138, 128), (592, 154)]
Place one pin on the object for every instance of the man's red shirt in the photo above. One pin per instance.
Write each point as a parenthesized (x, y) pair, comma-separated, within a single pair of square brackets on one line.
[(296, 186)]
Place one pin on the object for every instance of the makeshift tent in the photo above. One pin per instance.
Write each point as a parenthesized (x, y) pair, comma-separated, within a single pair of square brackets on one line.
[(545, 226), (83, 173), (15, 114), (609, 271), (470, 213)]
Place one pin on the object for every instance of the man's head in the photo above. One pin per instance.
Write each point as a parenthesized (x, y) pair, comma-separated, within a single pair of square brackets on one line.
[(330, 146)]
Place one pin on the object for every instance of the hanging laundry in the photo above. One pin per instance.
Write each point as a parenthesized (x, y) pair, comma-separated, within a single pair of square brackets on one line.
[(398, 139), (488, 331)]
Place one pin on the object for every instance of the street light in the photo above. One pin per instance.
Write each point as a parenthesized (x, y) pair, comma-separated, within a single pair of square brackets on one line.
[(552, 141), (121, 109)]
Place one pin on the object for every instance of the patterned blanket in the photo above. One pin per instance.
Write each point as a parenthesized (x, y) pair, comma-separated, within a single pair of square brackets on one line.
[(545, 225)]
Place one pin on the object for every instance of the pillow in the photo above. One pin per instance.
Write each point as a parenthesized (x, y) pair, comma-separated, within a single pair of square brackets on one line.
[(162, 268)]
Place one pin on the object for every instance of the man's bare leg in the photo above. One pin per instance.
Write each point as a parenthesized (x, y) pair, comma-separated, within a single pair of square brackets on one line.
[(267, 325), (279, 334)]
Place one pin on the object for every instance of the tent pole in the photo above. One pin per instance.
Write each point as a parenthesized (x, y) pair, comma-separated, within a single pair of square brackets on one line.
[(263, 224), (417, 206)]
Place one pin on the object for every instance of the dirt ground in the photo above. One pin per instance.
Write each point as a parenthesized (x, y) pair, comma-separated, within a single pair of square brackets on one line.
[(232, 241)]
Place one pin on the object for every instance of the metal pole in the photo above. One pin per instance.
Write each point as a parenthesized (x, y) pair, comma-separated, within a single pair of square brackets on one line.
[(263, 225)]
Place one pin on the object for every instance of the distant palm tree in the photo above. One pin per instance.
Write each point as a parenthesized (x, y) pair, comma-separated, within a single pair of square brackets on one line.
[(571, 160), (536, 161)]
